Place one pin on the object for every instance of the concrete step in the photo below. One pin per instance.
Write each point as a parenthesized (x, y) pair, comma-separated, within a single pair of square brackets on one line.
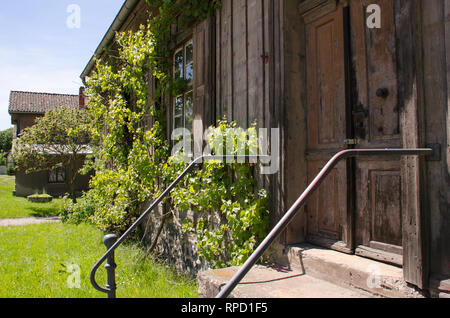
[(269, 282), (308, 271), (350, 271)]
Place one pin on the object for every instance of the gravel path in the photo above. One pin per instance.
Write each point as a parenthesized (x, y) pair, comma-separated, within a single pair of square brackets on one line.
[(26, 221)]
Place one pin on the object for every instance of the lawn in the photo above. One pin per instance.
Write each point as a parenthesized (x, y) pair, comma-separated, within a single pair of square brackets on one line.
[(15, 207), (43, 261), (54, 260)]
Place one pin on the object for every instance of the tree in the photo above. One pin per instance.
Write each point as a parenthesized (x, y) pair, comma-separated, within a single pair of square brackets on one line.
[(58, 139), (6, 140)]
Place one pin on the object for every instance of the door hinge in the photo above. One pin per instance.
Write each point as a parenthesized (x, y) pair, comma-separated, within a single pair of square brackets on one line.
[(349, 142)]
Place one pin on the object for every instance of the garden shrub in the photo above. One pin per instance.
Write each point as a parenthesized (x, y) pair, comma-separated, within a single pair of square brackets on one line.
[(80, 212)]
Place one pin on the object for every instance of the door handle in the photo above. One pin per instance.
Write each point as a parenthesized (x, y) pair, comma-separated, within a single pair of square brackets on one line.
[(382, 92)]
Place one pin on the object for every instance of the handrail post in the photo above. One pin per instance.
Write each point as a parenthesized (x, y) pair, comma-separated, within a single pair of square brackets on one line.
[(110, 266)]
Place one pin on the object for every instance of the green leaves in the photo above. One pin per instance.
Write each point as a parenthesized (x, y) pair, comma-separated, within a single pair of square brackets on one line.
[(233, 215), (133, 165)]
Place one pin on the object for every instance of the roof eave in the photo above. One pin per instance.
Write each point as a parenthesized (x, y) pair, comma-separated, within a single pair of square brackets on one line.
[(118, 22)]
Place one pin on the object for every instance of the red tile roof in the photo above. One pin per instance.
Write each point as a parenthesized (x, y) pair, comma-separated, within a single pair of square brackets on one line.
[(39, 103)]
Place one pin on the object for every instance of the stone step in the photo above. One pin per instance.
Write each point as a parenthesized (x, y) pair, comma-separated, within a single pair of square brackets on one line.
[(269, 282), (350, 271), (308, 271)]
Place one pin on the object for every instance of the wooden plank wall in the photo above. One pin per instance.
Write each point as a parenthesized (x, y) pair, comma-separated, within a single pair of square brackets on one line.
[(248, 73), (295, 93), (241, 66), (434, 15)]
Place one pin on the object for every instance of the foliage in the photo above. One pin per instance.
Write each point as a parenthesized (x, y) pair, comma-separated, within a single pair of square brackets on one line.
[(3, 159), (6, 137), (232, 218), (6, 140), (80, 212), (10, 171), (183, 14), (132, 164), (58, 139), (127, 158)]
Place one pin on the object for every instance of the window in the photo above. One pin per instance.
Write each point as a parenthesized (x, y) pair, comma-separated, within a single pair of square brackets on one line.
[(57, 176), (183, 68)]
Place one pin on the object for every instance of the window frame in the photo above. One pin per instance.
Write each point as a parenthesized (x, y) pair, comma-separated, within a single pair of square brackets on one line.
[(189, 92), (60, 171)]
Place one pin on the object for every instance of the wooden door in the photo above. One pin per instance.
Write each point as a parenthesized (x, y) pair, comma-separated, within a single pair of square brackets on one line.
[(376, 119), (326, 86), (353, 95)]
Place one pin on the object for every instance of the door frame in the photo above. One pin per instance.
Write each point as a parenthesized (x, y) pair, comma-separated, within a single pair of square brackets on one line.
[(414, 222)]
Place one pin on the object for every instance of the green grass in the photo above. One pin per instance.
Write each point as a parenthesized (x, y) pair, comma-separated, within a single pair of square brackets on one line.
[(39, 261), (35, 260), (15, 207)]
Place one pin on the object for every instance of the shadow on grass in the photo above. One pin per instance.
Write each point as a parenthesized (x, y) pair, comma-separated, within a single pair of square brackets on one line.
[(44, 212)]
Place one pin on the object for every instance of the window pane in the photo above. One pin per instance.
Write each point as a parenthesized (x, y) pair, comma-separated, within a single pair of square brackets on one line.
[(178, 112), (189, 53), (189, 112), (61, 175), (178, 64), (189, 73), (57, 176)]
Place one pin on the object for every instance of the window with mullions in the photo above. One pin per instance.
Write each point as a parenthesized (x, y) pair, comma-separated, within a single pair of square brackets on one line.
[(183, 105), (57, 176)]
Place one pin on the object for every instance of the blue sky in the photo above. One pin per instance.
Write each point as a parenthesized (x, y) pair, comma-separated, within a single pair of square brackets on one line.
[(42, 49)]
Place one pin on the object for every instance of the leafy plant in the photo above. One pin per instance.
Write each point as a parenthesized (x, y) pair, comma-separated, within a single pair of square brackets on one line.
[(233, 216), (2, 159), (132, 164), (6, 140)]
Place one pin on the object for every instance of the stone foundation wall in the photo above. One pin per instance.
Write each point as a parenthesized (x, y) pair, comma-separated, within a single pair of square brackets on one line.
[(176, 247)]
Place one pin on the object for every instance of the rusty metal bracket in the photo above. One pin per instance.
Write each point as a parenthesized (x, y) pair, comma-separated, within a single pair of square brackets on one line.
[(436, 155)]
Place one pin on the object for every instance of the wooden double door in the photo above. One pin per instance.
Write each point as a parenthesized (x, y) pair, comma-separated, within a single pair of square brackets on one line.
[(353, 102)]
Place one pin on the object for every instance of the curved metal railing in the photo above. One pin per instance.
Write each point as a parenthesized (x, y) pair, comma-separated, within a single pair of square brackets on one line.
[(291, 213), (112, 243)]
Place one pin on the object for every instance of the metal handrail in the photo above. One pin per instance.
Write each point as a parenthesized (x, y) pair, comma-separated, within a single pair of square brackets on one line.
[(292, 212), (111, 242)]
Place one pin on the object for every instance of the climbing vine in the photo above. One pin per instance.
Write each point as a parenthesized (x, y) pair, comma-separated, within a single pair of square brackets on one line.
[(132, 160), (232, 218)]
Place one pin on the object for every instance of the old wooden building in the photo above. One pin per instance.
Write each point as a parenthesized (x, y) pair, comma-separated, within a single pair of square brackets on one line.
[(334, 75), (25, 108)]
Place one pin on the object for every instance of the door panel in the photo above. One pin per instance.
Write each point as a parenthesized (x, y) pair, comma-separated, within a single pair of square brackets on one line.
[(326, 82), (327, 208), (377, 125), (379, 210), (376, 103)]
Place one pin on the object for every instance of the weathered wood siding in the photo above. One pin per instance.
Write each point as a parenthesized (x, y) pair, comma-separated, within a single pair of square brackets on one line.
[(248, 61), (435, 72), (248, 85)]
